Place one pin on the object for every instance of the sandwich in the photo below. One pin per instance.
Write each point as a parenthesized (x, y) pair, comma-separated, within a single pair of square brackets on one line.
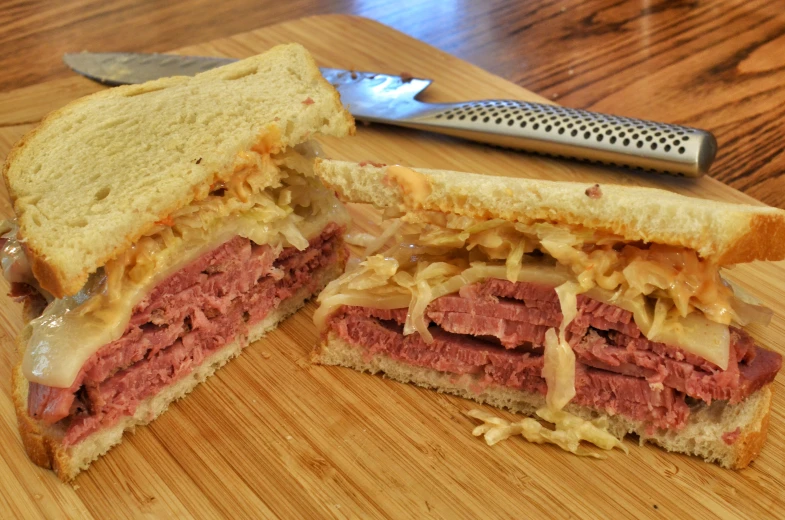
[(160, 229), (600, 309)]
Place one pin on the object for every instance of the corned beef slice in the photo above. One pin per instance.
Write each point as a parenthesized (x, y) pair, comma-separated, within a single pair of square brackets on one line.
[(496, 330), (191, 314)]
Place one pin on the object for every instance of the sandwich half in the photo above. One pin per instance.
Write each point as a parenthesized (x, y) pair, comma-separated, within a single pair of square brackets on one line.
[(160, 228), (598, 306)]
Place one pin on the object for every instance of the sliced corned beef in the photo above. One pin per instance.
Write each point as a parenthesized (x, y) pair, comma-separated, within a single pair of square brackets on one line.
[(495, 330), (193, 313)]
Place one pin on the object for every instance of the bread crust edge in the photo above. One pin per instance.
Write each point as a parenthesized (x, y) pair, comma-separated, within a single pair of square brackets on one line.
[(43, 447), (752, 438), (55, 280), (762, 237), (746, 448)]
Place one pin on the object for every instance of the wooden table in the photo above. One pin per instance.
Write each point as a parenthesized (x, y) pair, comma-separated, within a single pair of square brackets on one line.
[(714, 64), (302, 441)]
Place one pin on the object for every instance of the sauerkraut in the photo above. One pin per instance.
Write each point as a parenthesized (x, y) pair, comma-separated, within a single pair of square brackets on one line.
[(595, 258), (268, 200), (568, 433), (558, 358), (675, 296)]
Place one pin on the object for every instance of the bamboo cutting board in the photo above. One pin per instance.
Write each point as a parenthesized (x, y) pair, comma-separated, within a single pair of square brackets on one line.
[(270, 435)]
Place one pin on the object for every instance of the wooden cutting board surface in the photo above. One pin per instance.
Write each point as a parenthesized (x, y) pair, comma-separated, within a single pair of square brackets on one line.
[(270, 435)]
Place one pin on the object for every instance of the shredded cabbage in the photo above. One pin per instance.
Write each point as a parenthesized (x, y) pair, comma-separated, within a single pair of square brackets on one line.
[(513, 262), (746, 307), (747, 313), (264, 201), (569, 431), (632, 276), (360, 239), (415, 318), (559, 359), (558, 371), (382, 239), (661, 309)]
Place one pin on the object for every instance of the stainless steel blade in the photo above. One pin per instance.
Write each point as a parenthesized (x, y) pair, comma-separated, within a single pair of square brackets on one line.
[(535, 127), (127, 68), (368, 95), (124, 68), (379, 97)]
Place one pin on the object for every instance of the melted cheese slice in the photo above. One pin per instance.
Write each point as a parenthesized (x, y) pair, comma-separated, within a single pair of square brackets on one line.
[(380, 289), (72, 329), (65, 335)]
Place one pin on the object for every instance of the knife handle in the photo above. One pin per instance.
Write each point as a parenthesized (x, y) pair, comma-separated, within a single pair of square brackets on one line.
[(578, 134)]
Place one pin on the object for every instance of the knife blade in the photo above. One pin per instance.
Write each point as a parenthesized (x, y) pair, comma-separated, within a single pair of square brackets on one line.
[(371, 96), (389, 99)]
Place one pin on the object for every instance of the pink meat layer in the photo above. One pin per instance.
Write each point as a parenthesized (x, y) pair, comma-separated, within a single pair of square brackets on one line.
[(496, 330), (196, 311)]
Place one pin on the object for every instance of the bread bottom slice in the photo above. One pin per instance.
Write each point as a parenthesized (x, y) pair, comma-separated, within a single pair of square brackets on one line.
[(43, 443), (702, 436)]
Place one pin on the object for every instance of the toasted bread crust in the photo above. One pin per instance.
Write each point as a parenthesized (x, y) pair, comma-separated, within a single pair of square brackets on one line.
[(49, 275), (60, 284), (44, 444), (42, 447), (753, 437), (764, 241), (334, 351), (49, 243), (725, 233)]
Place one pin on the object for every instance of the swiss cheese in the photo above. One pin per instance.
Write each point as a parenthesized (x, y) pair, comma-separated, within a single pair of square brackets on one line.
[(287, 213)]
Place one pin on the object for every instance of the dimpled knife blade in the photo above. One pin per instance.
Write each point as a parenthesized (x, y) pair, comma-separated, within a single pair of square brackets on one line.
[(389, 99)]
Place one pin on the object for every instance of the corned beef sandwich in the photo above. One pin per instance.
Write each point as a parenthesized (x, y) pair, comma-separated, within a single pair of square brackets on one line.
[(601, 309), (160, 228)]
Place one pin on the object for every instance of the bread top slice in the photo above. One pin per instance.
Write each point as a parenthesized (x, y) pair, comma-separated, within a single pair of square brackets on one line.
[(722, 232), (97, 174)]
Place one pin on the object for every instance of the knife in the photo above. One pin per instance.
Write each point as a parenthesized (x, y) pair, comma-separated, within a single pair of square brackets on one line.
[(534, 127)]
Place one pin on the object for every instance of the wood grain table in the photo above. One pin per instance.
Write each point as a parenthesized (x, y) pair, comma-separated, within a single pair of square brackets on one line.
[(714, 64), (271, 435)]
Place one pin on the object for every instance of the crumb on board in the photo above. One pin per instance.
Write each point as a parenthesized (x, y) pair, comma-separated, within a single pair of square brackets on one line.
[(594, 192)]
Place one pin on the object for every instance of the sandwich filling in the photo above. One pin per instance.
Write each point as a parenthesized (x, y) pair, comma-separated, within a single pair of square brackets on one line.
[(201, 280), (642, 330)]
